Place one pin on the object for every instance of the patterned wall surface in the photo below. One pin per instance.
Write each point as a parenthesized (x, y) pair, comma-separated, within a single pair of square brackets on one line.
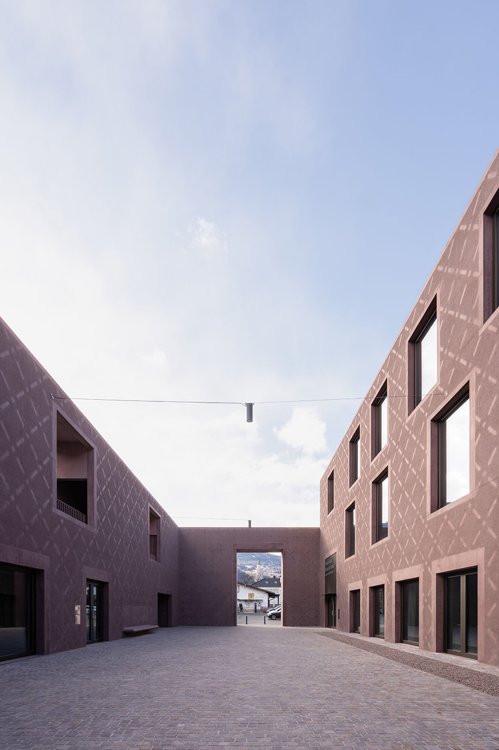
[(466, 532), (35, 534)]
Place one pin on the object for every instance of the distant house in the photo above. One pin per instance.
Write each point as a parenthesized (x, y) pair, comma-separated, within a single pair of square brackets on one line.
[(251, 597), (272, 584)]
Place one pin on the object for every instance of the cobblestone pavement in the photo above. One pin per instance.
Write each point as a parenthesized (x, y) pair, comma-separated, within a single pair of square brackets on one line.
[(240, 688)]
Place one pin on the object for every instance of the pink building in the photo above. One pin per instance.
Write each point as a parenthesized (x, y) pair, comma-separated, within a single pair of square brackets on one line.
[(408, 544), (410, 500)]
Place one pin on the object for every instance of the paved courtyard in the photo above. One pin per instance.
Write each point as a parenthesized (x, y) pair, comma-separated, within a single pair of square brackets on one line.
[(242, 688)]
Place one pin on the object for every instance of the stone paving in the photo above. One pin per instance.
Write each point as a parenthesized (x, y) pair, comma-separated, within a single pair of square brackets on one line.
[(240, 688)]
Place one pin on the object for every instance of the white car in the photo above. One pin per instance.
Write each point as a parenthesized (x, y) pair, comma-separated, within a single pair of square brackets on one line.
[(274, 613)]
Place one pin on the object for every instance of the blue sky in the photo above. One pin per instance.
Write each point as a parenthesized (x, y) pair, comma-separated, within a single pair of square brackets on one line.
[(232, 201)]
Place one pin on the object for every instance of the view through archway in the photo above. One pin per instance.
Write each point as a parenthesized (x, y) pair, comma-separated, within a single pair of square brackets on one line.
[(259, 596)]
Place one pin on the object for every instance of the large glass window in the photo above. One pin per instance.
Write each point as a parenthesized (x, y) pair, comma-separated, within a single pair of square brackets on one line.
[(354, 456), (461, 622), (16, 612), (451, 430), (379, 421), (350, 531), (423, 357), (380, 508), (409, 595)]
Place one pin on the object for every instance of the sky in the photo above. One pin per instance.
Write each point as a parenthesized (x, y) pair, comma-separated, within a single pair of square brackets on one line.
[(232, 201)]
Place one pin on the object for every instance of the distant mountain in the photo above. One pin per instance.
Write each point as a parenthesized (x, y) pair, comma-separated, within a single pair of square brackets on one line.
[(271, 564)]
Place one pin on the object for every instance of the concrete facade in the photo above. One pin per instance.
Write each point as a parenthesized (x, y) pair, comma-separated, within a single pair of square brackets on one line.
[(426, 542)]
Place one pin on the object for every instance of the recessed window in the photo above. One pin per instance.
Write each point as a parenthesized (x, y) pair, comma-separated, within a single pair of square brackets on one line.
[(423, 357), (74, 472), (451, 451), (409, 604), (378, 612), (379, 421), (330, 492), (491, 257), (350, 531), (461, 610), (354, 457), (154, 526), (355, 611), (380, 508)]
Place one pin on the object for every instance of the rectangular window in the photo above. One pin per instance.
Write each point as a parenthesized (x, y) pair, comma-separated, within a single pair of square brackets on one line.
[(355, 611), (491, 258), (154, 524), (380, 508), (423, 357), (409, 596), (74, 472), (350, 531), (354, 456), (378, 605), (461, 608), (379, 421), (17, 612), (330, 492), (451, 451)]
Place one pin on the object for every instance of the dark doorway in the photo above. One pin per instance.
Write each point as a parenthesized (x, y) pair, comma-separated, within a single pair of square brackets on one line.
[(410, 611), (17, 612), (461, 613), (94, 611), (164, 610), (378, 599), (330, 590), (331, 611), (355, 611)]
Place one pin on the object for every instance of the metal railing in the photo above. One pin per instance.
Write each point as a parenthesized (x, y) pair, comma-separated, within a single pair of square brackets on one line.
[(61, 505)]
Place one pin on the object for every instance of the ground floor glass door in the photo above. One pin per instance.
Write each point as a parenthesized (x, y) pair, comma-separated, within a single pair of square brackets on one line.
[(461, 613), (94, 611), (410, 611), (17, 612), (331, 610)]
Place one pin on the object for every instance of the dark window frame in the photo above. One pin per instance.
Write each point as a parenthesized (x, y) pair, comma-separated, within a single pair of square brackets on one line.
[(350, 531), (378, 531), (330, 492), (439, 448), (354, 457), (402, 587), (375, 629), (414, 355), (376, 420), (463, 575), (491, 258)]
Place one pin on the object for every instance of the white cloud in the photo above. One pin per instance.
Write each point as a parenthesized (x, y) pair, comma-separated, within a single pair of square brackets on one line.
[(304, 431), (208, 239)]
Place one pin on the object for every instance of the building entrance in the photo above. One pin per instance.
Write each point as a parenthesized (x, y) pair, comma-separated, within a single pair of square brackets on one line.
[(17, 612), (94, 613)]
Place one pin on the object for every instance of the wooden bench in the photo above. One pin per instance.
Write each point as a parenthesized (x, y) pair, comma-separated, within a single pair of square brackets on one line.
[(139, 629)]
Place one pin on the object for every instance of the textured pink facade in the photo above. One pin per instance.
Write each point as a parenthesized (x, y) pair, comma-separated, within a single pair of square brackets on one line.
[(421, 543), (112, 549), (208, 565)]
